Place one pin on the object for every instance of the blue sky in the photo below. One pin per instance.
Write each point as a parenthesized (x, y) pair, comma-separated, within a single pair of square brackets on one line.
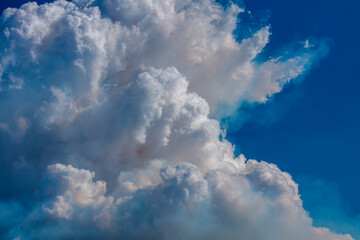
[(314, 125), (310, 129)]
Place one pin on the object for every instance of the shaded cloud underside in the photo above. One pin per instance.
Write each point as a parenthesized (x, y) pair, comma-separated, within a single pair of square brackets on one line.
[(124, 89)]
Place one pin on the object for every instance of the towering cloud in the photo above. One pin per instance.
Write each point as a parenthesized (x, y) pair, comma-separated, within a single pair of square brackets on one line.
[(105, 127)]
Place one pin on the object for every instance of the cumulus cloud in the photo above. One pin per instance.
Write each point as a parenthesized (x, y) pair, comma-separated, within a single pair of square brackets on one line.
[(106, 129)]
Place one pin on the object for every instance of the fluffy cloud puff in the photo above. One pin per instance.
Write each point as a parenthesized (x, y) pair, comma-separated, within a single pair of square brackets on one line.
[(124, 89)]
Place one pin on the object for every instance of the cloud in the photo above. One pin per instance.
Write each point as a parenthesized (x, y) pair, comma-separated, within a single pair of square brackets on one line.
[(112, 130), (257, 202)]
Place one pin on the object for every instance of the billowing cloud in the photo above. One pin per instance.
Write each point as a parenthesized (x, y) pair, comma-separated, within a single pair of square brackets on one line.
[(106, 130)]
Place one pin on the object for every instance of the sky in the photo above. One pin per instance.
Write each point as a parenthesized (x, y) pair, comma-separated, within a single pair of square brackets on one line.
[(314, 125), (139, 119)]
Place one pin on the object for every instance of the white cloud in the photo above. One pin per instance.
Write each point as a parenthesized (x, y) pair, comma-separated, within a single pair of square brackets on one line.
[(256, 201), (125, 89)]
